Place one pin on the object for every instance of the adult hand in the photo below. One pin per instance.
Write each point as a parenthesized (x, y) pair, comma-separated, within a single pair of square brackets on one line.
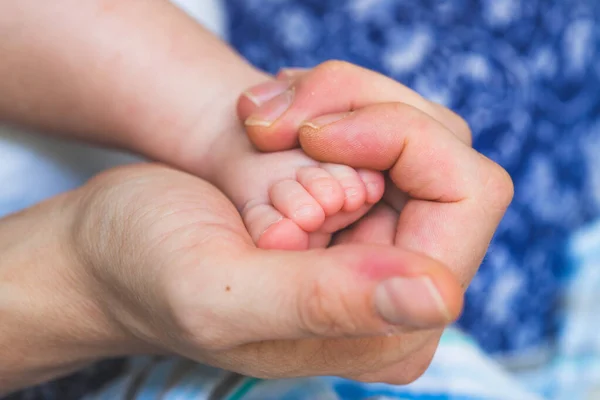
[(149, 259), (180, 272), (445, 199)]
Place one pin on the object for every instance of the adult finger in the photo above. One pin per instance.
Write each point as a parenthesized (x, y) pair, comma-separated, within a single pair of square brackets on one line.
[(378, 227), (344, 291), (453, 122), (456, 196), (256, 96), (410, 365), (331, 87), (366, 359)]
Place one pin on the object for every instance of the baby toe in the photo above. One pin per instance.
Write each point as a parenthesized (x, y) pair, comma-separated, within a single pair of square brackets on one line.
[(355, 193), (323, 187), (374, 184), (293, 201), (269, 229), (284, 235)]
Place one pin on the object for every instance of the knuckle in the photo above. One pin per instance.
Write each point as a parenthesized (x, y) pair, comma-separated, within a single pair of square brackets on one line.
[(462, 129), (454, 122), (324, 310), (459, 125), (499, 186)]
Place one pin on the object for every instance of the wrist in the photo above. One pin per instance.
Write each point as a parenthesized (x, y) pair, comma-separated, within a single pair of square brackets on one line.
[(52, 323)]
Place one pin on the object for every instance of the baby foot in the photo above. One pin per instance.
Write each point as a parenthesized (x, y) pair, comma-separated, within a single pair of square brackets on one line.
[(290, 202)]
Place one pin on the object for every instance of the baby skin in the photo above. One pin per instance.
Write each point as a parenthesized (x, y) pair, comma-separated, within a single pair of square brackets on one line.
[(287, 200), (290, 202)]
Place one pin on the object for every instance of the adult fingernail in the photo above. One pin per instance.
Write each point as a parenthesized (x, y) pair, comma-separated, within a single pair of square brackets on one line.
[(264, 92), (408, 300), (325, 120), (272, 110)]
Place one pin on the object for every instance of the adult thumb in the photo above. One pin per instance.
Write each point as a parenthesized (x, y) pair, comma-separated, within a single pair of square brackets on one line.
[(344, 291)]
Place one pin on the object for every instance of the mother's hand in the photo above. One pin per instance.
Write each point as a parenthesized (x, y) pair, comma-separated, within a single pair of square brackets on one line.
[(451, 197), (446, 199), (178, 272), (150, 259)]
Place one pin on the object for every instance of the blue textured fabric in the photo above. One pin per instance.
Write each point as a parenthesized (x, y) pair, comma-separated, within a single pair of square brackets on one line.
[(524, 73)]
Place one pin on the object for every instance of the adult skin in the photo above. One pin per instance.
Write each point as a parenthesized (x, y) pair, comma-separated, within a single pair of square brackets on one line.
[(444, 199), (148, 259)]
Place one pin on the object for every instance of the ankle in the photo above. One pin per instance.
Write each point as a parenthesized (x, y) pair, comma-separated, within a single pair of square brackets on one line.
[(208, 128)]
